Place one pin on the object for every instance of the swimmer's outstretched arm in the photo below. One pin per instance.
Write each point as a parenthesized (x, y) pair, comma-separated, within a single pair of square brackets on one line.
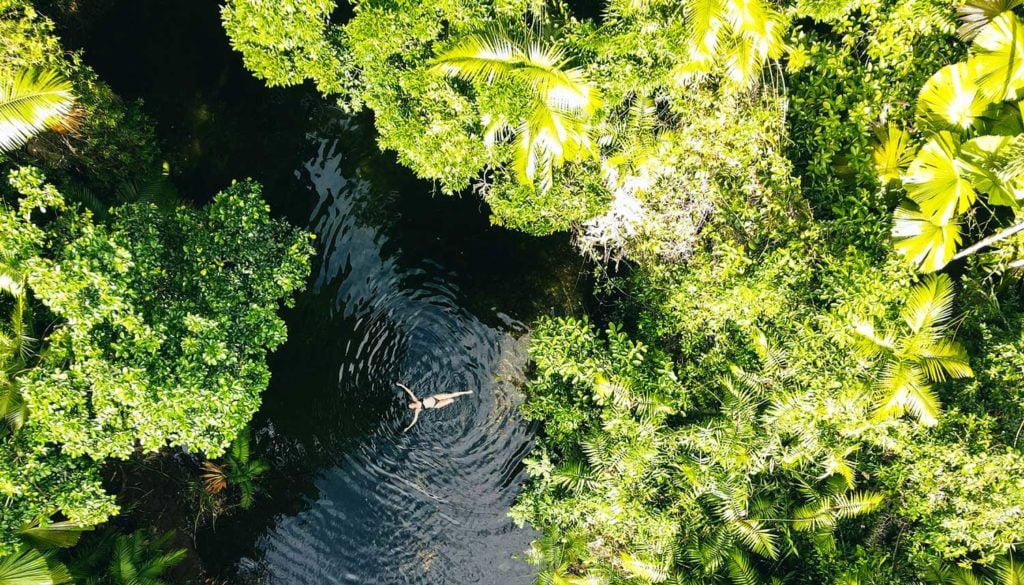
[(407, 391), (415, 418)]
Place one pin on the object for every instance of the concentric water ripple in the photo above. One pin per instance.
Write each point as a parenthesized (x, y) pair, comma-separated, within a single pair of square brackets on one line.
[(427, 506)]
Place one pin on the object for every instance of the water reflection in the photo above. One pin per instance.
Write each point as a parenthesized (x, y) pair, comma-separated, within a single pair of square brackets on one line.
[(387, 507)]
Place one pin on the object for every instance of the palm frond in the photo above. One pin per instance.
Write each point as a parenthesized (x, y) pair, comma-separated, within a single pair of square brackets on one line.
[(756, 537), (998, 54), (575, 477), (936, 182), (950, 100), (54, 534), (907, 391), (930, 303), (741, 569), (924, 242), (944, 357), (975, 15), (30, 102), (647, 571), (1009, 571), (28, 566), (892, 154)]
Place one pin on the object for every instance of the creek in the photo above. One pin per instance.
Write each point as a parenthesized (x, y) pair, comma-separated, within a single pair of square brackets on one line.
[(407, 285)]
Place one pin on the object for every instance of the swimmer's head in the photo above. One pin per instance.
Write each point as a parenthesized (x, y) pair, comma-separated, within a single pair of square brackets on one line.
[(414, 405)]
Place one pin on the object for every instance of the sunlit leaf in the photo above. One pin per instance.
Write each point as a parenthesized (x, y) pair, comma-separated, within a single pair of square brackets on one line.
[(930, 303), (998, 54), (950, 100), (30, 102), (936, 181), (892, 155), (926, 244), (983, 159), (976, 14)]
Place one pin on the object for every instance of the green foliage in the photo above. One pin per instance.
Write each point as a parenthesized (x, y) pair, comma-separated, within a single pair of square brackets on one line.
[(161, 325), (110, 141), (555, 127), (126, 559), (238, 469), (538, 107), (918, 354), (31, 102), (29, 566)]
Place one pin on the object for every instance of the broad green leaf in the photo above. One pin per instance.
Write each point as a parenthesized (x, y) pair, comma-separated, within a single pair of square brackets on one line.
[(54, 535), (998, 54), (928, 245), (1002, 120), (949, 100), (983, 160), (936, 181)]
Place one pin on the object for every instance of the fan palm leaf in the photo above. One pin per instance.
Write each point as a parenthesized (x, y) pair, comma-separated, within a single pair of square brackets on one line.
[(984, 159), (28, 566), (54, 534), (30, 102), (950, 100), (928, 245), (892, 155), (998, 54), (974, 15), (936, 180)]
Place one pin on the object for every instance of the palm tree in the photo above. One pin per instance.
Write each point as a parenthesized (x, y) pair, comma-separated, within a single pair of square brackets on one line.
[(738, 36), (557, 126), (126, 559), (916, 353), (30, 102), (238, 469)]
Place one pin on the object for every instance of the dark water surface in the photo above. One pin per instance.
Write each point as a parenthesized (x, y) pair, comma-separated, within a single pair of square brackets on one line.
[(407, 286)]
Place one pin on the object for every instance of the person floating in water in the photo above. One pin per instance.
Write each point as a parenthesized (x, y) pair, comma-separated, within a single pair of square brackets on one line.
[(435, 401)]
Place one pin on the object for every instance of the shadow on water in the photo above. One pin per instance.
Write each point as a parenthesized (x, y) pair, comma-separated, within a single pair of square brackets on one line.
[(406, 286)]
